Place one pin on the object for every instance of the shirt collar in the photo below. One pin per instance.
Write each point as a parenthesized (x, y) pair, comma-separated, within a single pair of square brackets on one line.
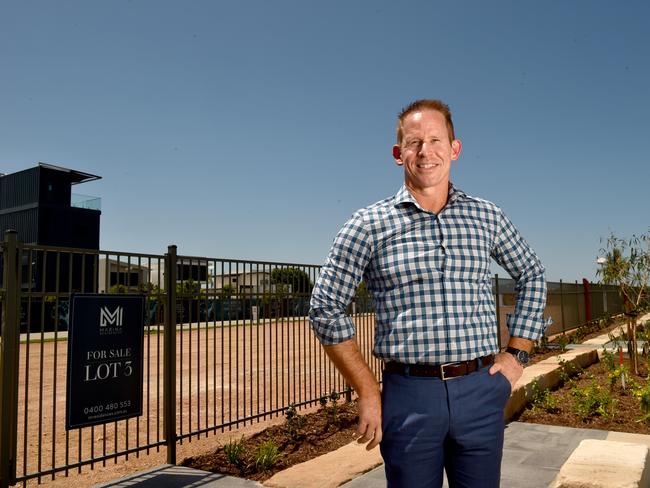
[(404, 196)]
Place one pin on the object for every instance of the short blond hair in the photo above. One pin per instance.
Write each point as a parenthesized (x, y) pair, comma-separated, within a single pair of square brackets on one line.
[(419, 105)]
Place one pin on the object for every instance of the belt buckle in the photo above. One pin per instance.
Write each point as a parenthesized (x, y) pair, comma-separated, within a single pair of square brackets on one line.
[(443, 377)]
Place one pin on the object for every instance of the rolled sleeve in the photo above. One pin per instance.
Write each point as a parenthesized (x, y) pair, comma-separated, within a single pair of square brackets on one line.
[(514, 254), (338, 281)]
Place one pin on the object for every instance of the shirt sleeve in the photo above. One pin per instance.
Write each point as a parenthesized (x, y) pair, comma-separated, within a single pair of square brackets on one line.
[(514, 254), (337, 283)]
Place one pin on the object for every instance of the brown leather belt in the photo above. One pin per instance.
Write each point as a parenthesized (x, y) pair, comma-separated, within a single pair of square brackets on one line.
[(443, 371)]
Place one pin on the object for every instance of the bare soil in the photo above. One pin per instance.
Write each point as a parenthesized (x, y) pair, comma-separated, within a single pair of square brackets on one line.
[(319, 433)]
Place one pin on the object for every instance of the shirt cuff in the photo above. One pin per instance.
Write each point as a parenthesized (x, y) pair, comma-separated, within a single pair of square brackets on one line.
[(526, 327), (334, 330)]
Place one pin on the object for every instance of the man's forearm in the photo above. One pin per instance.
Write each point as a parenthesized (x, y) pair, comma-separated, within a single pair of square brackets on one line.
[(519, 343), (348, 360)]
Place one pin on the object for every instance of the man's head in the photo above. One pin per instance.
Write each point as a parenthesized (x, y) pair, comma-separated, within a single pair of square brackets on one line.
[(425, 104), (426, 147)]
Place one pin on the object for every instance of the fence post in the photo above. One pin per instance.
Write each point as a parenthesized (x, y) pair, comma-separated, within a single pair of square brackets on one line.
[(498, 308), (562, 306), (169, 364), (577, 293), (587, 295), (9, 361)]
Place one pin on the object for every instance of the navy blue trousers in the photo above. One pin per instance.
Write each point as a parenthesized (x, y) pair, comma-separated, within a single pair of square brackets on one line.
[(456, 425)]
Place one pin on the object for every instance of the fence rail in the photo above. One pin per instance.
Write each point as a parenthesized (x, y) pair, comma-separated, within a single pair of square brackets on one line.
[(227, 343)]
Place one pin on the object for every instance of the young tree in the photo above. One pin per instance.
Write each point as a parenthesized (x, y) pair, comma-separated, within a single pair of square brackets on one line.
[(626, 264)]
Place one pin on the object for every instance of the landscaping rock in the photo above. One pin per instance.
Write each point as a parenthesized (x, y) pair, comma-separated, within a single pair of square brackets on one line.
[(605, 464)]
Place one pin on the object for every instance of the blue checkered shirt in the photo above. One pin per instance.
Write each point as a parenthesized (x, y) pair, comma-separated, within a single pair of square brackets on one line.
[(429, 275)]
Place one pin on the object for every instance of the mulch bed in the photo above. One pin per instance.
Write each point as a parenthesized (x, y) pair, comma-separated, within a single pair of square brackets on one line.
[(625, 413), (317, 435)]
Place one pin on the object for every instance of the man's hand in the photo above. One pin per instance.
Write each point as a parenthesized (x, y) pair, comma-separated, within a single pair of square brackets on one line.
[(349, 361), (507, 364), (369, 428)]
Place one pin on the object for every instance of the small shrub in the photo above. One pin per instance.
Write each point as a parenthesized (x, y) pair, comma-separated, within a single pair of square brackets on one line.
[(543, 342), (621, 336), (563, 342), (620, 374), (234, 450), (542, 398), (593, 401), (294, 421), (323, 401), (608, 359), (267, 456), (334, 397), (643, 396), (568, 371)]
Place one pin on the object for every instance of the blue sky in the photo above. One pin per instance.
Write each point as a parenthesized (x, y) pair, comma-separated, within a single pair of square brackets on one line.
[(254, 129)]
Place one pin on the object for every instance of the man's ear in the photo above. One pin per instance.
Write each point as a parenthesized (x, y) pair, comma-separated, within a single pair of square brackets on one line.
[(397, 154), (456, 148)]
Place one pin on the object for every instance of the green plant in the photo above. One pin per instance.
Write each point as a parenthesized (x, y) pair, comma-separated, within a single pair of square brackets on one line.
[(563, 341), (323, 401), (334, 397), (543, 399), (621, 336), (593, 401), (568, 371), (543, 342), (619, 374), (643, 396), (626, 264), (267, 455), (294, 421), (608, 359), (234, 450)]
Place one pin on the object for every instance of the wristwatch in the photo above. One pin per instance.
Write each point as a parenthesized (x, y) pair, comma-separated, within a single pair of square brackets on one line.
[(522, 357)]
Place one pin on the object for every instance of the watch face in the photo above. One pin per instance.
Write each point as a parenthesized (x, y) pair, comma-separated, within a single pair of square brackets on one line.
[(523, 357)]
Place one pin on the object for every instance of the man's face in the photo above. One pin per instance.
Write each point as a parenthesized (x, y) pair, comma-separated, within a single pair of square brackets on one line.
[(426, 152)]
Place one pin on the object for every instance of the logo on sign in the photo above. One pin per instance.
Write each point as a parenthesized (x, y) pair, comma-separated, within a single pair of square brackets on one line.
[(107, 317)]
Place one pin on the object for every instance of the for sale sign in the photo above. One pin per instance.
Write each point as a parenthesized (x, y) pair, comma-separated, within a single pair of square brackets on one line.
[(105, 341)]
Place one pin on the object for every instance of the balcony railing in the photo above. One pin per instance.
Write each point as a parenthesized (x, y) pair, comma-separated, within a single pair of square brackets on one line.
[(86, 201)]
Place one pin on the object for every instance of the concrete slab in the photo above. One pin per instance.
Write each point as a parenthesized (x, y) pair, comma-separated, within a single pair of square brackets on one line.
[(170, 476), (605, 464), (627, 437)]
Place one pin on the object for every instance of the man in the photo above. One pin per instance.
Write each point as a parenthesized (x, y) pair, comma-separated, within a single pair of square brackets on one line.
[(425, 257)]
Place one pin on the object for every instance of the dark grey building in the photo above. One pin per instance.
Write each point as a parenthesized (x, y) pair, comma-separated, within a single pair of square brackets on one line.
[(39, 204)]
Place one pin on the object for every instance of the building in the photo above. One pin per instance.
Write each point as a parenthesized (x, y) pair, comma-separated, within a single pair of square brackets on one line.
[(39, 204), (114, 272)]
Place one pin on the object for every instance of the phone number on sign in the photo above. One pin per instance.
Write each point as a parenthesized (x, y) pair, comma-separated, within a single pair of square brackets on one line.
[(108, 407)]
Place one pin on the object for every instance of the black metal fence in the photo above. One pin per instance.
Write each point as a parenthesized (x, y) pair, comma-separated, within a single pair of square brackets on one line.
[(227, 343)]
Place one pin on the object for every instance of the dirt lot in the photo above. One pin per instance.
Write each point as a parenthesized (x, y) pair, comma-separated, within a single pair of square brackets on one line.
[(224, 374)]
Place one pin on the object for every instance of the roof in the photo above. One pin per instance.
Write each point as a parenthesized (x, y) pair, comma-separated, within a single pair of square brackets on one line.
[(75, 176)]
